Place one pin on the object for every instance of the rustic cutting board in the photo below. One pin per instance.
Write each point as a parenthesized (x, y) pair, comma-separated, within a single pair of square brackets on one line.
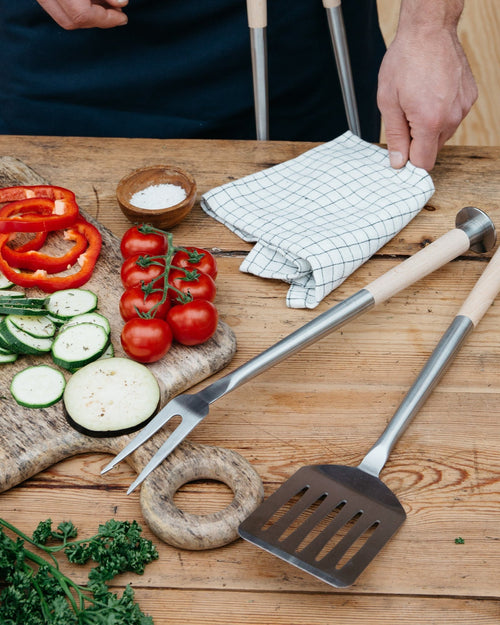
[(32, 440)]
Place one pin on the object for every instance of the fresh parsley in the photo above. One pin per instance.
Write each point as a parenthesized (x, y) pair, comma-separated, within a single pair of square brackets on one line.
[(36, 592)]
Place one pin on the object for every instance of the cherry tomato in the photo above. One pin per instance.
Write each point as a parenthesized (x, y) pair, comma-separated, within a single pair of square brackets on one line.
[(134, 301), (196, 258), (193, 323), (133, 274), (146, 340), (199, 285), (135, 242)]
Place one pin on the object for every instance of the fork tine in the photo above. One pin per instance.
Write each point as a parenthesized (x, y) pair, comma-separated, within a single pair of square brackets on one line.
[(146, 433), (177, 436)]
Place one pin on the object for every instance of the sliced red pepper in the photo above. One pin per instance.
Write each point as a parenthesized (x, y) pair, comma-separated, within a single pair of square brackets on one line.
[(33, 244), (37, 208), (33, 259), (50, 283), (23, 192)]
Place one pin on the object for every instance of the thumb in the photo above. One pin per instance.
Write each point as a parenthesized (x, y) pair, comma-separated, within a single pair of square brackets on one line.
[(398, 137)]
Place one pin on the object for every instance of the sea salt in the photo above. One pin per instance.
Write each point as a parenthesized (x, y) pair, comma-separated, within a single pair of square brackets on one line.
[(158, 196)]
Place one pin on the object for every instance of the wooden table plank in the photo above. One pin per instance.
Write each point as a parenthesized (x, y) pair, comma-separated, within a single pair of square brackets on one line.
[(326, 404)]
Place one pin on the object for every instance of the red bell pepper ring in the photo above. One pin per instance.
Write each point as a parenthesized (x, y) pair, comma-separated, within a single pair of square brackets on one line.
[(33, 259), (50, 283), (33, 244), (37, 208)]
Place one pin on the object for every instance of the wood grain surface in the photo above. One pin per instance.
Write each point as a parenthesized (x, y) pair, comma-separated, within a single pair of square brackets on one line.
[(328, 403)]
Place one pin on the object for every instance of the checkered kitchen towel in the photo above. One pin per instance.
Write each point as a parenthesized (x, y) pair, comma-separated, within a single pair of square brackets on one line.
[(318, 217)]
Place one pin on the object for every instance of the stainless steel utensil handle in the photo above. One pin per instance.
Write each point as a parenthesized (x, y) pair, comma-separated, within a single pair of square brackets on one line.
[(257, 23), (341, 51), (471, 312), (425, 261)]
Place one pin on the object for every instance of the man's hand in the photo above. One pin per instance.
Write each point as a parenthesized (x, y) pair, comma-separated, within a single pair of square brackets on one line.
[(73, 14), (426, 86)]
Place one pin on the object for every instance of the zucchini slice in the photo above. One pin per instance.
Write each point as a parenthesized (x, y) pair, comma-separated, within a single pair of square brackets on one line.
[(71, 302), (6, 357), (39, 386), (12, 294), (39, 327), (110, 397), (20, 342), (78, 345), (4, 282), (18, 305), (92, 317)]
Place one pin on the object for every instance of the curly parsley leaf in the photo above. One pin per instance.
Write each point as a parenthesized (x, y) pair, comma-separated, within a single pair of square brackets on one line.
[(36, 592)]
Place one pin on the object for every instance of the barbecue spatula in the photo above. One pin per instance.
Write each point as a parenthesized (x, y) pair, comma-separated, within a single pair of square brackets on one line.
[(332, 520), (474, 230)]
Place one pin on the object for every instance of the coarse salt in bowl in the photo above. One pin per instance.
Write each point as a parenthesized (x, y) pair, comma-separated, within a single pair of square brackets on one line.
[(157, 196), (161, 195)]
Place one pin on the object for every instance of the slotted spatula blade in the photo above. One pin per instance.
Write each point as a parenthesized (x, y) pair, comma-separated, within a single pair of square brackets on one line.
[(328, 520), (332, 520)]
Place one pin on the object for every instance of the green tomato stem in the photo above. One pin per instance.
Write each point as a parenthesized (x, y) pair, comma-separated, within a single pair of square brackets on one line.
[(166, 261)]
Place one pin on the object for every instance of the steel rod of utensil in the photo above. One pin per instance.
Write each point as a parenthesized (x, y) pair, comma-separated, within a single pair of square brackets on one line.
[(257, 23), (428, 378), (472, 311), (340, 48), (306, 335)]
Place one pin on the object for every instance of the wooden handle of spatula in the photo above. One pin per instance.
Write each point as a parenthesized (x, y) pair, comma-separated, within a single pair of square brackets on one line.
[(484, 291), (257, 13), (331, 4)]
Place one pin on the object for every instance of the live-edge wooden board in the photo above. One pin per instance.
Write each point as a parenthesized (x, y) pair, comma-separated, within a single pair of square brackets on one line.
[(34, 439)]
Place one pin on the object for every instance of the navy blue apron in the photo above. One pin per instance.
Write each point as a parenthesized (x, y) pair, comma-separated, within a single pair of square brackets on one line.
[(182, 68)]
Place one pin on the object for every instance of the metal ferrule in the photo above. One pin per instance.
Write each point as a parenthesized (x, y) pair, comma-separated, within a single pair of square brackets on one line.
[(478, 227)]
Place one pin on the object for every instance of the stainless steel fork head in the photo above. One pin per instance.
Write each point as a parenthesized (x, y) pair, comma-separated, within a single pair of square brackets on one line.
[(191, 408)]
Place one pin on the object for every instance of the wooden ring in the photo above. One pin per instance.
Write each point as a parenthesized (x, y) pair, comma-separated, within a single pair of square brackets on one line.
[(194, 462)]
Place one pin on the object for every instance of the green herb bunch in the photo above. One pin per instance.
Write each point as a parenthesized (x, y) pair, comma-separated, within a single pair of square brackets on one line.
[(36, 592)]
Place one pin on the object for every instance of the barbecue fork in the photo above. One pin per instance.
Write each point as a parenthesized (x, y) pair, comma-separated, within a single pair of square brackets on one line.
[(474, 230)]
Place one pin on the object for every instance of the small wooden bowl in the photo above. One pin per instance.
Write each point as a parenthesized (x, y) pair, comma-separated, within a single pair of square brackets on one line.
[(141, 179)]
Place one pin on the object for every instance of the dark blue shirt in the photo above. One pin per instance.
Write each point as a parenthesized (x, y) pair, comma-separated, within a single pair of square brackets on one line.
[(182, 68)]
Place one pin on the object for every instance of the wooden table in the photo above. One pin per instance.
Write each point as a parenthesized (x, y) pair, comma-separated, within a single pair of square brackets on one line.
[(326, 404)]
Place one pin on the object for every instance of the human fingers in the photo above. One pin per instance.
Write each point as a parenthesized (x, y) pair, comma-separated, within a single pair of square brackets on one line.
[(424, 149), (74, 14), (396, 125), (397, 132)]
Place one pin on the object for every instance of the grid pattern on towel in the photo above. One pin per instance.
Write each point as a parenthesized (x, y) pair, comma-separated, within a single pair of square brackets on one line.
[(316, 218)]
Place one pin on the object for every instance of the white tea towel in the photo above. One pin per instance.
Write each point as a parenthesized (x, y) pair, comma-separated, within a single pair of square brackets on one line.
[(318, 217)]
